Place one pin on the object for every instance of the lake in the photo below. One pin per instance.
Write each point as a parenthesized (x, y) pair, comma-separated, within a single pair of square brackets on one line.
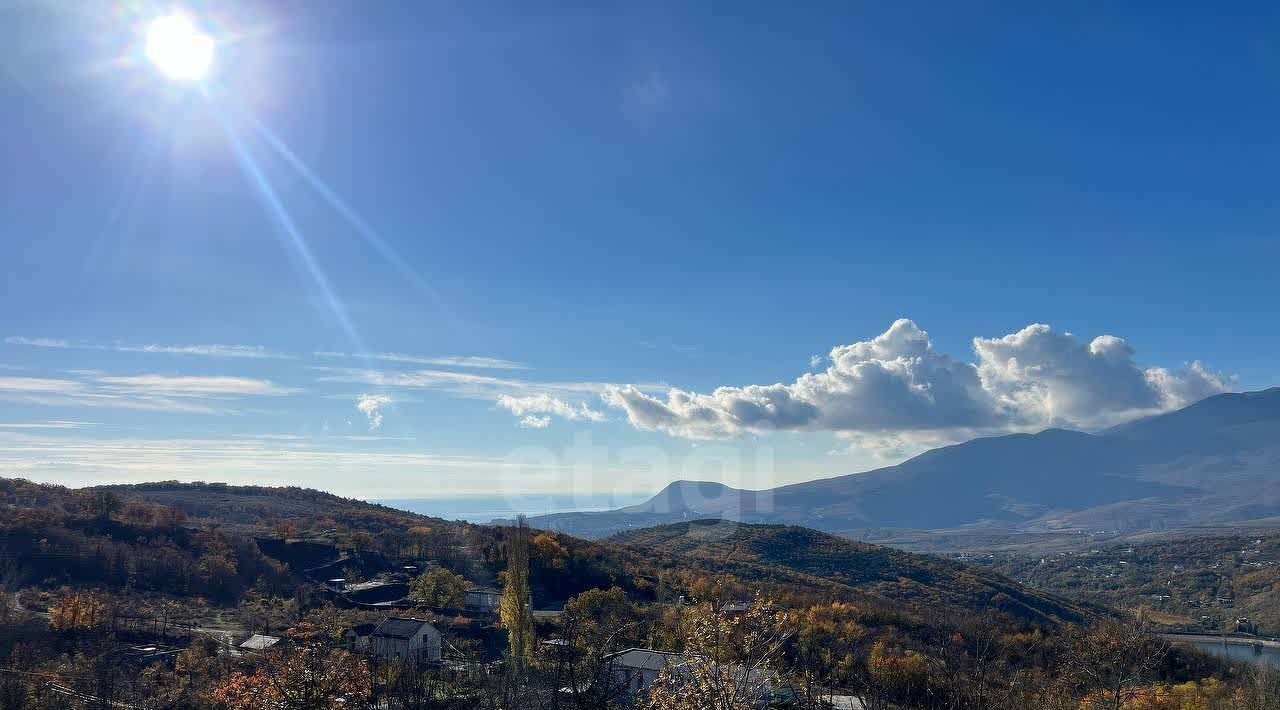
[(1235, 649)]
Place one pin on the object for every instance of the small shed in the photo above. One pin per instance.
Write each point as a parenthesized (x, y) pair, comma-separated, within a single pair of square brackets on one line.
[(259, 642)]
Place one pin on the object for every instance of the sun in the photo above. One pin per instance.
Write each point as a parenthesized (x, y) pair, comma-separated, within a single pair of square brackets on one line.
[(178, 48)]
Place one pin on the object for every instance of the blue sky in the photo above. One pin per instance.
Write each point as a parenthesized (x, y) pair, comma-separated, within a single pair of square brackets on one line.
[(569, 225)]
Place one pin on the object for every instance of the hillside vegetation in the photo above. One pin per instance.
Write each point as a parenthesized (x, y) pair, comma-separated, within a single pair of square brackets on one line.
[(804, 558)]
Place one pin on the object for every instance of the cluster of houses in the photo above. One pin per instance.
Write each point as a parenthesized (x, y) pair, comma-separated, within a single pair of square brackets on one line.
[(396, 637)]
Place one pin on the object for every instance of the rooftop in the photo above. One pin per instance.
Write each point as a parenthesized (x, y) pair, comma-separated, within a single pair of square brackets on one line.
[(398, 627), (258, 642), (645, 658)]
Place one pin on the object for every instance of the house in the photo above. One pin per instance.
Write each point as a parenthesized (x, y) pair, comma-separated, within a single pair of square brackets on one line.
[(405, 638), (146, 655), (483, 599), (635, 669), (259, 642), (357, 638)]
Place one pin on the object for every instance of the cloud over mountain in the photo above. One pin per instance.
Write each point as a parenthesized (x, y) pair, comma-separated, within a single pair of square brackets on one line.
[(896, 383)]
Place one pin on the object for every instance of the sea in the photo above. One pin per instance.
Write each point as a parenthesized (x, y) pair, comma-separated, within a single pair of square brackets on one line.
[(486, 509)]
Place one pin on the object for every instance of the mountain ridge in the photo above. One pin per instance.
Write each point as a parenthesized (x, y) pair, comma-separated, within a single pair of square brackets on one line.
[(1214, 461)]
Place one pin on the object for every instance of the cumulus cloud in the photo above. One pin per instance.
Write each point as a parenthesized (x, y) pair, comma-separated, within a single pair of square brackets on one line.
[(896, 388), (370, 405), (535, 411), (1051, 378)]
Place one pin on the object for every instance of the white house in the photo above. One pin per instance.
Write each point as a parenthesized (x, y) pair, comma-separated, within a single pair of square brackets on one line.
[(405, 638), (635, 669), (485, 599)]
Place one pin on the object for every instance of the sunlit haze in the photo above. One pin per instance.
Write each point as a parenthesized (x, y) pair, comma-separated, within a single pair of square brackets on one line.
[(178, 49)]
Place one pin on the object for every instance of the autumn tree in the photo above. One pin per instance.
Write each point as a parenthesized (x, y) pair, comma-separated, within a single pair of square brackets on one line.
[(1113, 659), (1260, 690), (439, 587), (101, 503), (515, 608), (729, 662), (307, 677), (78, 611)]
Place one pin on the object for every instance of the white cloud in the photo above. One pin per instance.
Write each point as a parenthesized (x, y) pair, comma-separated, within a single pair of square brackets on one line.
[(895, 389), (51, 424), (38, 385), (371, 406), (352, 468), (535, 410), (467, 384), (38, 342), (242, 351), (235, 351), (162, 393), (464, 361), (193, 386), (1048, 378), (534, 421)]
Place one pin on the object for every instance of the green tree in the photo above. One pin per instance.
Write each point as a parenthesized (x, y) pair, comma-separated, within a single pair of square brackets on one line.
[(440, 588)]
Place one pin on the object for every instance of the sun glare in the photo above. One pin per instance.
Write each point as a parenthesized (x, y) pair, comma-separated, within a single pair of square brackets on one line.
[(179, 49)]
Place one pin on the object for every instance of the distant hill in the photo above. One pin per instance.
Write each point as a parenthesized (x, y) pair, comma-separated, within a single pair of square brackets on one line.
[(1216, 461), (220, 541), (801, 557)]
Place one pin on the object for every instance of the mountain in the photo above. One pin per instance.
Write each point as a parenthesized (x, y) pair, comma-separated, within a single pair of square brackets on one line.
[(1213, 462)]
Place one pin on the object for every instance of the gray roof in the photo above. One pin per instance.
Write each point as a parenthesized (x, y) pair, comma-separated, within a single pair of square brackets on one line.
[(398, 627), (484, 590), (645, 659), (257, 642)]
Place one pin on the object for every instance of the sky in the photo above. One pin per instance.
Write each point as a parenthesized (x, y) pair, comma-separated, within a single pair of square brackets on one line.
[(471, 248)]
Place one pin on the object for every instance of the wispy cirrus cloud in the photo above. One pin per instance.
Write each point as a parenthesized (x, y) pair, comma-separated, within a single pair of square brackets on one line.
[(464, 361), (472, 385), (359, 466), (194, 386), (50, 424), (212, 350), (534, 402), (188, 394), (38, 342)]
